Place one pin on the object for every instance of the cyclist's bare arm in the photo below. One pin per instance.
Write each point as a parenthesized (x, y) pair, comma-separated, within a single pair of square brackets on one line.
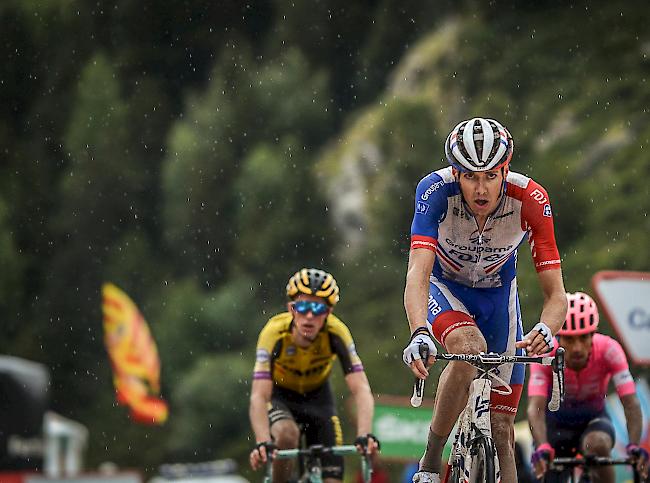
[(634, 420), (258, 413), (537, 422), (360, 389), (537, 418), (633, 417), (416, 295), (555, 302), (553, 310)]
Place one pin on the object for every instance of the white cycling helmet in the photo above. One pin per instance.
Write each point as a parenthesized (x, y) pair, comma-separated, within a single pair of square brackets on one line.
[(479, 145)]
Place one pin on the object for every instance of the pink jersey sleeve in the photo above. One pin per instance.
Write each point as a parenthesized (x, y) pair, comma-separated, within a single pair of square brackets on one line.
[(537, 220), (539, 381), (619, 369)]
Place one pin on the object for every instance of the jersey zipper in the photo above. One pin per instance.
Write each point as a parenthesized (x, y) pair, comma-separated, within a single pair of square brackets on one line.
[(479, 253)]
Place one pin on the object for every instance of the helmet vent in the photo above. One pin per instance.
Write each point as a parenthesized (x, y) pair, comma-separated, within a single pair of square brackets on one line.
[(582, 315)]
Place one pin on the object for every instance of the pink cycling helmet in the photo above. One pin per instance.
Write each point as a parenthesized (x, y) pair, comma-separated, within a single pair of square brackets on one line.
[(582, 316)]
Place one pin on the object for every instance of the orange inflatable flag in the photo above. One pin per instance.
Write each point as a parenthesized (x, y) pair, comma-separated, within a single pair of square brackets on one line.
[(134, 357)]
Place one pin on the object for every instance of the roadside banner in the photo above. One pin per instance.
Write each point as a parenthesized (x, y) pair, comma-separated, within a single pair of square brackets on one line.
[(402, 429), (134, 357), (624, 297)]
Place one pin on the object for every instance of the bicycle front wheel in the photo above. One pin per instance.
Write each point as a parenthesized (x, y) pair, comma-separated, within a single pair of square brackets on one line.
[(455, 474), (483, 467)]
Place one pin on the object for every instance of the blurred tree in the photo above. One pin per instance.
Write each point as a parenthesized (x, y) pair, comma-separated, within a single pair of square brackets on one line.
[(211, 421), (203, 157), (102, 197), (11, 283), (282, 221), (246, 103), (193, 322)]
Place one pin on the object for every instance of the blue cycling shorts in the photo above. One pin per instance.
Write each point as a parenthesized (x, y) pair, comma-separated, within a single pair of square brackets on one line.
[(494, 310)]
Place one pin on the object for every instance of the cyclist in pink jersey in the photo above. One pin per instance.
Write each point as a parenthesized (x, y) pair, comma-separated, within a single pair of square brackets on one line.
[(582, 425)]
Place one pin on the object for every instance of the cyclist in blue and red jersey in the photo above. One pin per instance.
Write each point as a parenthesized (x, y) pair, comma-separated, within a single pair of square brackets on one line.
[(582, 425), (461, 283)]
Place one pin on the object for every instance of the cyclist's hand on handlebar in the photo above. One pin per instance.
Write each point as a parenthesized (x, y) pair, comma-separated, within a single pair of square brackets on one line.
[(538, 341), (261, 453), (640, 455), (541, 458), (411, 355), (367, 444)]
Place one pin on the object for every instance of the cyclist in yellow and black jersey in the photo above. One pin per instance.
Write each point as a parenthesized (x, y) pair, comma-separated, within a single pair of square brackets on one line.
[(298, 369), (295, 354)]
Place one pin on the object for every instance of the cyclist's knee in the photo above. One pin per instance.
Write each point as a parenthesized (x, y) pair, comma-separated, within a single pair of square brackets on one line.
[(597, 443), (286, 434), (466, 340)]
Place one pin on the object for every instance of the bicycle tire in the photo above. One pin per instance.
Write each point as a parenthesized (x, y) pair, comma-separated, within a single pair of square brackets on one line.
[(484, 462), (454, 477)]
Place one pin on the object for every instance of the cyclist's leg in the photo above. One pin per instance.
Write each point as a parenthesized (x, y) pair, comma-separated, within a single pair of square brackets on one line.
[(565, 440), (503, 433), (322, 426), (285, 434), (598, 440), (457, 332)]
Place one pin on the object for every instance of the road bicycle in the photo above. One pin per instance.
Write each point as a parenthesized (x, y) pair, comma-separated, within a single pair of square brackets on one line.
[(473, 458), (310, 464), (575, 470)]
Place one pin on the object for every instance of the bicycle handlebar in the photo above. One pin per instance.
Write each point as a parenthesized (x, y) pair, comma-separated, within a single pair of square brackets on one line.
[(560, 464), (591, 461), (316, 450), (491, 360)]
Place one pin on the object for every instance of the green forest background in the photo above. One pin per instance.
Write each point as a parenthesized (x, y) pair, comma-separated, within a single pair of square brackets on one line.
[(197, 153)]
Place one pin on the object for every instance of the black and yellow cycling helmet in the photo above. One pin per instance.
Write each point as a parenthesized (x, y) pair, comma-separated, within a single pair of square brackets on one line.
[(312, 281)]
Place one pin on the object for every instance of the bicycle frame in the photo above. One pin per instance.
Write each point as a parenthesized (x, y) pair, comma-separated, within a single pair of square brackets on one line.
[(311, 455), (563, 464), (474, 425), (474, 433)]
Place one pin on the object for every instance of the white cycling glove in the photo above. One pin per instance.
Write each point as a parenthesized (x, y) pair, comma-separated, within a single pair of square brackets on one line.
[(543, 329), (421, 336)]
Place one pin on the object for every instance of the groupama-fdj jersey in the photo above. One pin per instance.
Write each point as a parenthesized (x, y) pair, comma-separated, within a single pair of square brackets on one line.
[(443, 223), (586, 389), (475, 270), (303, 370)]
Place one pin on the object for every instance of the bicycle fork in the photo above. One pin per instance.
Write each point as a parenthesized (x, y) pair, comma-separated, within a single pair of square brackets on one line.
[(473, 425)]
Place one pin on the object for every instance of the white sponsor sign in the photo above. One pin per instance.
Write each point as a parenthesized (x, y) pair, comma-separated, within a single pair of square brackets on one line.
[(625, 299)]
